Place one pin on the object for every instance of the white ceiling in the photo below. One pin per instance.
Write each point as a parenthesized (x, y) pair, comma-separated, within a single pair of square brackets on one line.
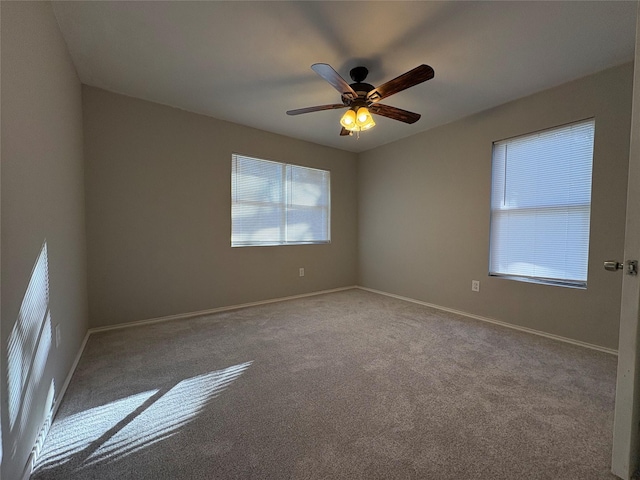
[(249, 62)]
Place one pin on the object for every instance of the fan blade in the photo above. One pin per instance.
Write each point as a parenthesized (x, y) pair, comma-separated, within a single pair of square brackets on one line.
[(394, 113), (330, 75), (412, 77), (319, 108), (344, 132)]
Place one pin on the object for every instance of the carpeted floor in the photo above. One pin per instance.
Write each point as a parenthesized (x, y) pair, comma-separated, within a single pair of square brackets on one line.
[(348, 385)]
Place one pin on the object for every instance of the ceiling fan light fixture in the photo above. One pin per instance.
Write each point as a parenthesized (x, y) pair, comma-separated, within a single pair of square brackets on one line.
[(348, 120), (356, 97)]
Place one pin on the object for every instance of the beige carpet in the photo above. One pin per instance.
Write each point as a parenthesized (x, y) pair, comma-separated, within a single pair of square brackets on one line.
[(348, 385)]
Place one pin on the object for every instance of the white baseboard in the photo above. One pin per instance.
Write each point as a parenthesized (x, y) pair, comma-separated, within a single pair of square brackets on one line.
[(182, 316), (72, 370), (495, 322), (44, 428), (28, 469)]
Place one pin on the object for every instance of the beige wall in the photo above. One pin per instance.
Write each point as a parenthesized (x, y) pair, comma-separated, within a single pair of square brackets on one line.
[(424, 212), (42, 202), (158, 189)]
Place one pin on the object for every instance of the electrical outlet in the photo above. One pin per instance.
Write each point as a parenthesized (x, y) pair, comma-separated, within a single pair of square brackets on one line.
[(58, 335), (302, 272), (475, 285)]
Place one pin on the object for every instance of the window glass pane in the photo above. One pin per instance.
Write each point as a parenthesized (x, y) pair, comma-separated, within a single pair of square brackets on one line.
[(260, 181), (257, 224), (309, 186), (307, 224), (534, 243), (550, 168), (540, 204), (258, 206)]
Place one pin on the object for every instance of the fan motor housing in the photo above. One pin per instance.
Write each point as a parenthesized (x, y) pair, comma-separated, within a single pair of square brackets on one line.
[(362, 88), (358, 74)]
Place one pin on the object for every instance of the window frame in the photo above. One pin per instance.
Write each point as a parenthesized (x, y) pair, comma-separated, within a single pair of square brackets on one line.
[(285, 205), (553, 281)]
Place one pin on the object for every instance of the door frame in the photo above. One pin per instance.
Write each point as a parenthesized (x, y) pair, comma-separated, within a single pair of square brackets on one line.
[(626, 434)]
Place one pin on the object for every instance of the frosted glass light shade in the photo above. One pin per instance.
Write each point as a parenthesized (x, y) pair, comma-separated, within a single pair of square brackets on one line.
[(363, 116), (369, 124), (348, 120)]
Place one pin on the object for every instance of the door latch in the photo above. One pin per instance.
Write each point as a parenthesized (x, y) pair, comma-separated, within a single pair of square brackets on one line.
[(631, 266)]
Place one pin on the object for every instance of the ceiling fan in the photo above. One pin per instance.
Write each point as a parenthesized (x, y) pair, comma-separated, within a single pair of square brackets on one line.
[(362, 98)]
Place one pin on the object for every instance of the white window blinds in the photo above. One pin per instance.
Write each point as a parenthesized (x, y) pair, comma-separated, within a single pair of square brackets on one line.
[(278, 204), (541, 204)]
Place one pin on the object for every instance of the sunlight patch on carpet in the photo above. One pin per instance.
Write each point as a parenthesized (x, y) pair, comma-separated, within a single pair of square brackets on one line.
[(125, 426)]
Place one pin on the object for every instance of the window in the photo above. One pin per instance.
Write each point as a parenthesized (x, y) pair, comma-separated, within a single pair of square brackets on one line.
[(541, 204), (275, 203)]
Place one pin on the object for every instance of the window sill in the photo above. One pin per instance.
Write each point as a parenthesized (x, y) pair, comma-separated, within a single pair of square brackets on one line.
[(278, 244), (542, 281)]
